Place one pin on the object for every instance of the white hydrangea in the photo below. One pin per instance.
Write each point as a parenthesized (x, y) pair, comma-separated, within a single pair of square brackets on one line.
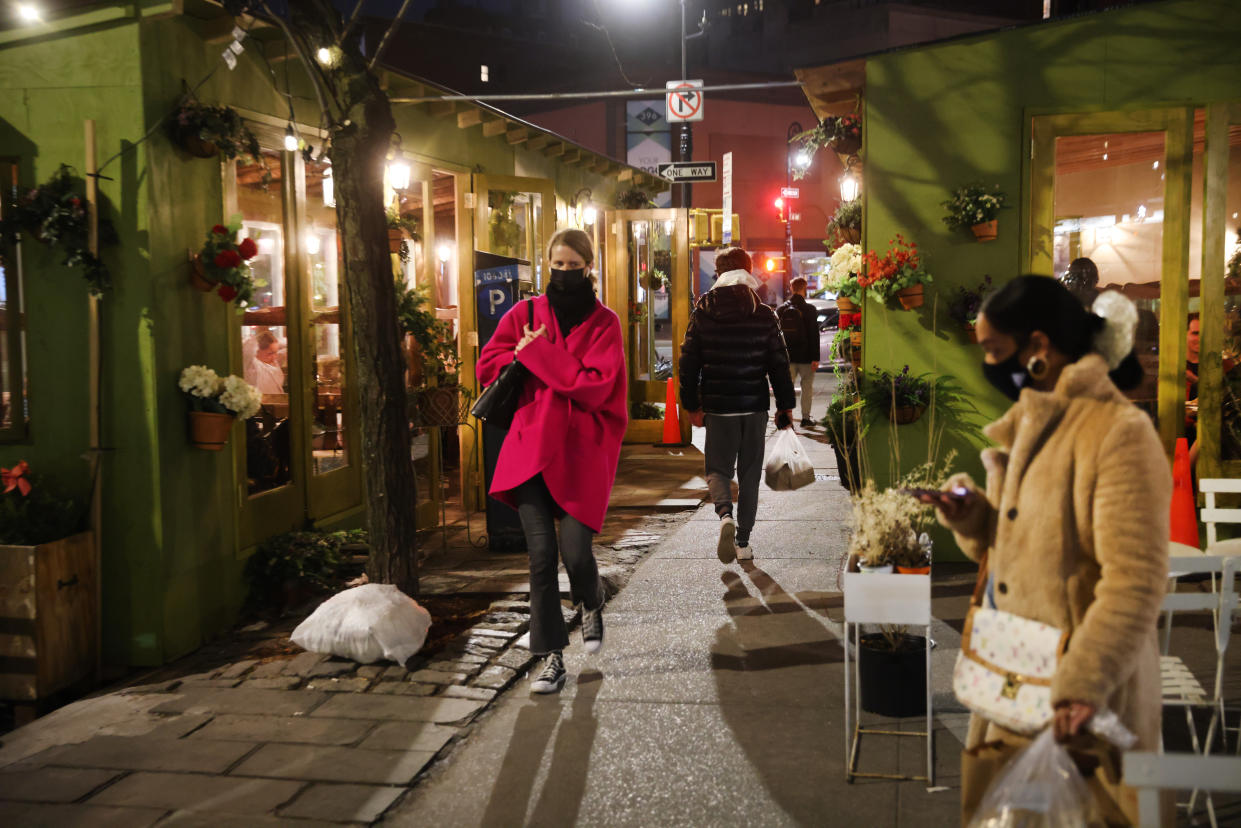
[(240, 397), (846, 263), (200, 381)]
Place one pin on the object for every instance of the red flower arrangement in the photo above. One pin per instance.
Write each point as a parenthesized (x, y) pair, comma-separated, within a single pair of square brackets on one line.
[(900, 268), (225, 261), (850, 321)]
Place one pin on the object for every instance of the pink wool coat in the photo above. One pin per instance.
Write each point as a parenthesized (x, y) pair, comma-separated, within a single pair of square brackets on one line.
[(573, 411)]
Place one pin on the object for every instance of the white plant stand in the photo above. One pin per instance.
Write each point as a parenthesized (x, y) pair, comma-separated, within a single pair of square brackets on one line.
[(891, 600)]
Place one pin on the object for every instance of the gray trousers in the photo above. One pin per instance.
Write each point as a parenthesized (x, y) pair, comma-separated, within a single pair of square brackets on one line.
[(736, 442), (538, 513), (805, 370)]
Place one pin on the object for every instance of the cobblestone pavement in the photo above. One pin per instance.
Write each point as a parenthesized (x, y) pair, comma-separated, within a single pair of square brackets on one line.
[(266, 734)]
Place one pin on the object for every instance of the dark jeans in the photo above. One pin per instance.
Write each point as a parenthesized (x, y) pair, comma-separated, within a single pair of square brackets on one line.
[(538, 512), (736, 442)]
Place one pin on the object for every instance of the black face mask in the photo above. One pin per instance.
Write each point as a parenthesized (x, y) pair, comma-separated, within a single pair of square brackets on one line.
[(567, 280), (1009, 376)]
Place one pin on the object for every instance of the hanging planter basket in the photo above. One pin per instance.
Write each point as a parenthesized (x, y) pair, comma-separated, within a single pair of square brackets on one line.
[(440, 406), (846, 305), (852, 235), (846, 146), (906, 414), (911, 297), (198, 276), (395, 239), (972, 333), (987, 231), (210, 431), (197, 147)]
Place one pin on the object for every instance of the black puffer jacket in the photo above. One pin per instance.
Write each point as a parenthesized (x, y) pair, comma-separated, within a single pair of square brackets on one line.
[(732, 348), (810, 350)]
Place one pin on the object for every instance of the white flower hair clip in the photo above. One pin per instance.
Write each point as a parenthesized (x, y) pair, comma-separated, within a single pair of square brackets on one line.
[(1120, 318)]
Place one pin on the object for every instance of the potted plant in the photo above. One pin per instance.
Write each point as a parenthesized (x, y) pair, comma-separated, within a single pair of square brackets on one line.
[(903, 397), (206, 131), (653, 279), (898, 274), (845, 225), (47, 555), (965, 304), (977, 208), (503, 229), (55, 214), (842, 133), (843, 424), (223, 264), (433, 352), (401, 226), (633, 199), (215, 403), (842, 277)]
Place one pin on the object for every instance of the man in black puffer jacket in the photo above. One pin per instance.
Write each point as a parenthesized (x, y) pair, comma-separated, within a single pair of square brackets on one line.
[(732, 350)]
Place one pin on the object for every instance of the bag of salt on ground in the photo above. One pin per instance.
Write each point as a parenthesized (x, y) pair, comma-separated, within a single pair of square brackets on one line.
[(787, 465), (365, 624)]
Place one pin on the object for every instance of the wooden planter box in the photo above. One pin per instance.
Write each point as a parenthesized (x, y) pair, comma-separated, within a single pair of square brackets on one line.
[(644, 431), (50, 616)]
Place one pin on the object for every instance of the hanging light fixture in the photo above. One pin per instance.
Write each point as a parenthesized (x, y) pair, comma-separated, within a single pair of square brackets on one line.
[(849, 186), (398, 174), (589, 216), (290, 138), (329, 189)]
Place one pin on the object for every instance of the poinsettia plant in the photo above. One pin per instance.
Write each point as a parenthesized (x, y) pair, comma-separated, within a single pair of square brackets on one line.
[(32, 512), (55, 213), (896, 270), (851, 321), (225, 260)]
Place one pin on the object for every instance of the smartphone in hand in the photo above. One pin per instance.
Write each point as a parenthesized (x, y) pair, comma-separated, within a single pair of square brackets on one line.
[(958, 493)]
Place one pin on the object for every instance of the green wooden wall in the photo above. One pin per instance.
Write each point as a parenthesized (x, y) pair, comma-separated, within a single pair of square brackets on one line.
[(941, 116)]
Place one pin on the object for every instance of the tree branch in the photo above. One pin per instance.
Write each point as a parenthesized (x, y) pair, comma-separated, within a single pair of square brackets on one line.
[(323, 86), (396, 21), (344, 33)]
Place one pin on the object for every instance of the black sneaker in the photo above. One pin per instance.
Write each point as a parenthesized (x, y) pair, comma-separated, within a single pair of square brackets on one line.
[(551, 678), (592, 629), (806, 422)]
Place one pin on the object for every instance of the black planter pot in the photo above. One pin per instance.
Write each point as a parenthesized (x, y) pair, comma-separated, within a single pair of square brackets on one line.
[(893, 682), (847, 465)]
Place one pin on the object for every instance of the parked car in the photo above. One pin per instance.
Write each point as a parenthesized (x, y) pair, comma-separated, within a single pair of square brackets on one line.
[(829, 315)]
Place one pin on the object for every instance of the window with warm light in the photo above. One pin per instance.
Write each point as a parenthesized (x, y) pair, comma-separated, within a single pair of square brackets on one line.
[(484, 73), (13, 412)]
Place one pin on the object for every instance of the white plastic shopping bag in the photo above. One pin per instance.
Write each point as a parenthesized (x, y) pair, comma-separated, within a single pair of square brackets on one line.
[(787, 466), (1040, 788), (365, 624)]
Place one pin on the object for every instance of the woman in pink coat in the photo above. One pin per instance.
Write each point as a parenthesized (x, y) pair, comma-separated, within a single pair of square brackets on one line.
[(559, 457)]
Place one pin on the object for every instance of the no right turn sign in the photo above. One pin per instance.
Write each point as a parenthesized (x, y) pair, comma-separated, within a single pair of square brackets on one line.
[(684, 101)]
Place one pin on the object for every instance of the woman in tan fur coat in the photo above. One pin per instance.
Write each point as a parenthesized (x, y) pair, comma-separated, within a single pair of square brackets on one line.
[(1074, 521)]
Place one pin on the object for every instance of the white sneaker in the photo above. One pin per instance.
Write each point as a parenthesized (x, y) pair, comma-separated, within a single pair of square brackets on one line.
[(726, 549), (745, 552)]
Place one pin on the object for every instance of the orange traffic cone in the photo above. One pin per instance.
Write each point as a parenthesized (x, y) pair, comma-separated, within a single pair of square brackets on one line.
[(1184, 517), (672, 423)]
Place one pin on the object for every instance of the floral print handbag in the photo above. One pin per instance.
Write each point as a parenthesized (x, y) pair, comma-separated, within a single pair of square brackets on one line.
[(1005, 667)]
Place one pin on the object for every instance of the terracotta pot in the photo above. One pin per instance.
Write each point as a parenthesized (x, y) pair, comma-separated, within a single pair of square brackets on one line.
[(856, 359), (851, 234), (913, 570), (906, 414), (972, 333), (209, 430), (845, 305), (197, 147), (846, 146), (855, 339), (395, 239), (911, 297), (987, 231), (199, 277)]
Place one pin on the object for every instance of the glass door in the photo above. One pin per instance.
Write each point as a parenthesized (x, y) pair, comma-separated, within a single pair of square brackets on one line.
[(1115, 187), (650, 291)]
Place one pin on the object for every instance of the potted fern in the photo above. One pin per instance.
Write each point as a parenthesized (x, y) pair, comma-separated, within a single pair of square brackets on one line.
[(432, 351), (845, 225)]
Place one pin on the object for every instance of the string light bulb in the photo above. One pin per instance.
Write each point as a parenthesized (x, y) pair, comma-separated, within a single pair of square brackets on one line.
[(290, 138)]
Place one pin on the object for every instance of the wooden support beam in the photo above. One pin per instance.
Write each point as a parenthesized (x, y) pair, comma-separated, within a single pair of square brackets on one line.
[(626, 174), (538, 142), (494, 126), (441, 109), (518, 135), (468, 118), (555, 149), (572, 156)]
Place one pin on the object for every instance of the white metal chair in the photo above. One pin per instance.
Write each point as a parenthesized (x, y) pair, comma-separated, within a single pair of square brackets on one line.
[(883, 599), (1181, 688), (1213, 516), (1177, 550), (1150, 773)]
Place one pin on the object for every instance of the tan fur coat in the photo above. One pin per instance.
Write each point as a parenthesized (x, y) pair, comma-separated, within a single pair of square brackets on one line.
[(1075, 520)]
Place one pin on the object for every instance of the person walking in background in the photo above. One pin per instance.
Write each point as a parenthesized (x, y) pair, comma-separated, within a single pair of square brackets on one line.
[(1082, 280), (732, 351), (799, 323), (1073, 526), (560, 455)]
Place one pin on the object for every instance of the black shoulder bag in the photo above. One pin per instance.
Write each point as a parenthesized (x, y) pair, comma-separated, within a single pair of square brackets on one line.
[(498, 403)]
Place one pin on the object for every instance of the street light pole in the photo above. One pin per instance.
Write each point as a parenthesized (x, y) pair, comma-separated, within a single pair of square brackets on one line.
[(794, 129), (687, 135)]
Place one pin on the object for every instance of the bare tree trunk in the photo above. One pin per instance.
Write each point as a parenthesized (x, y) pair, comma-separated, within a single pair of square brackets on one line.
[(362, 124)]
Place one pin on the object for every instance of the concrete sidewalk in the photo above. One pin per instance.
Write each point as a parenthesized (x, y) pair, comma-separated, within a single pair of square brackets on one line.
[(717, 700)]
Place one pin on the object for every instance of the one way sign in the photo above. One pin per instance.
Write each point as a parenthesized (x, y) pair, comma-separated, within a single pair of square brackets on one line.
[(679, 172)]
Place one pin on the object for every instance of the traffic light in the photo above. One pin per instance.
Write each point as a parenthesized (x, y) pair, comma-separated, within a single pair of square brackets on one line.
[(779, 203), (774, 264)]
